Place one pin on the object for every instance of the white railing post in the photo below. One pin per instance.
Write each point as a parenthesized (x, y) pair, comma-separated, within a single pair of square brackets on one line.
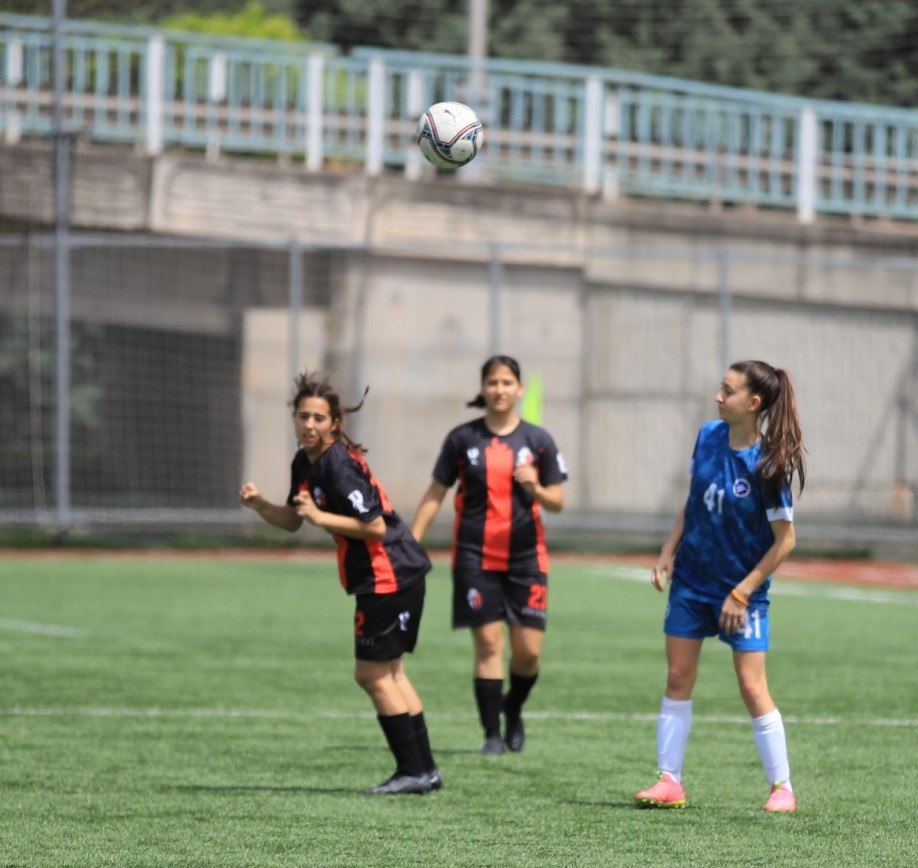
[(14, 66), (315, 112), (156, 52), (413, 108), (593, 132), (376, 116), (216, 78), (807, 156)]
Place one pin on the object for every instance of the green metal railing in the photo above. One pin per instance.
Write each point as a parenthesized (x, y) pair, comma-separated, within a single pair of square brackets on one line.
[(601, 131)]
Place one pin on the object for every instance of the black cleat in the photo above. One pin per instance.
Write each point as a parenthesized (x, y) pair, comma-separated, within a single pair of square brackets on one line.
[(494, 746), (436, 779), (399, 785), (515, 733)]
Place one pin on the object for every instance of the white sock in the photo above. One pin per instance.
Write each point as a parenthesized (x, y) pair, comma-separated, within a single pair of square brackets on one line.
[(768, 731), (673, 727)]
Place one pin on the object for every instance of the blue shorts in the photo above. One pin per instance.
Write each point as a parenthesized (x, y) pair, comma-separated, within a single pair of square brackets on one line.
[(690, 618)]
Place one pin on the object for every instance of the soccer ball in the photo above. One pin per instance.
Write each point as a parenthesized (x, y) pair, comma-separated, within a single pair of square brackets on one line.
[(449, 135)]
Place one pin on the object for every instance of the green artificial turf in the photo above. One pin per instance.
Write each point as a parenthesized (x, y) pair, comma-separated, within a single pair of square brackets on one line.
[(202, 712)]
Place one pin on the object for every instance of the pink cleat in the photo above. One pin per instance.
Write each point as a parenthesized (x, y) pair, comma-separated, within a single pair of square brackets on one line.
[(667, 792), (782, 800)]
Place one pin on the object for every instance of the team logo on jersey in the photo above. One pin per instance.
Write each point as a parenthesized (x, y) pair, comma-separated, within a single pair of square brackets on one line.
[(319, 497), (742, 488), (403, 619), (473, 453), (524, 456), (356, 499), (562, 464), (473, 598)]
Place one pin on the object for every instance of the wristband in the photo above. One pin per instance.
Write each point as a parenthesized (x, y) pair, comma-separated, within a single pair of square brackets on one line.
[(739, 597)]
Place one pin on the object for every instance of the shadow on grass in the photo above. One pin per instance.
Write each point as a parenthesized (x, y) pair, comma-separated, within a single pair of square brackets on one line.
[(242, 788)]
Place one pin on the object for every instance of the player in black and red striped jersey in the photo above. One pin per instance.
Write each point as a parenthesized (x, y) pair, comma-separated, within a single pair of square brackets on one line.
[(508, 470), (379, 563)]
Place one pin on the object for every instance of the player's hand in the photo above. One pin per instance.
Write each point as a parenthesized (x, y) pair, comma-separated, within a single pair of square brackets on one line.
[(732, 616), (661, 573), (306, 508), (250, 496), (527, 475)]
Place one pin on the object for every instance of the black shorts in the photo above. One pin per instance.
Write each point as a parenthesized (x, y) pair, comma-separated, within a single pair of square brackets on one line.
[(483, 596), (386, 625)]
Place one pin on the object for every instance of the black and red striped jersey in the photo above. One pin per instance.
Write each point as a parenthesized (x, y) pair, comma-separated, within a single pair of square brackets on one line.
[(498, 525), (341, 482)]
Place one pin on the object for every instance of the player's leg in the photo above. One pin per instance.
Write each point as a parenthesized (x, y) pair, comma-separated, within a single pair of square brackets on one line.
[(478, 605), (385, 628), (767, 729), (686, 624), (525, 662), (526, 604), (416, 711), (488, 645)]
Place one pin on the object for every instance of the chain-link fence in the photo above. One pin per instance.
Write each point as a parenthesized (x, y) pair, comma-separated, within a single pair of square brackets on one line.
[(181, 355)]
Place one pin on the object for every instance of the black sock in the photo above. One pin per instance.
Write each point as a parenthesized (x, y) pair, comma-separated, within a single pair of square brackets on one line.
[(423, 740), (489, 696), (520, 685), (399, 732)]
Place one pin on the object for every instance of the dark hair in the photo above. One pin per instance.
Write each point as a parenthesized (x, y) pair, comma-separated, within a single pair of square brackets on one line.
[(490, 365), (782, 455), (316, 386)]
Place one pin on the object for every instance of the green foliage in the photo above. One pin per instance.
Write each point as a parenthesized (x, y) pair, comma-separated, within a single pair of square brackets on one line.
[(201, 711), (855, 50), (251, 22)]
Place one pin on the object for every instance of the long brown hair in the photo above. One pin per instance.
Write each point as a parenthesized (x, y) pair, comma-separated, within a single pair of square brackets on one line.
[(316, 386), (778, 421)]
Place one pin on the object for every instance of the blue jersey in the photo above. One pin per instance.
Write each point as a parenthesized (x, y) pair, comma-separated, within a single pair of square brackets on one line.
[(727, 515)]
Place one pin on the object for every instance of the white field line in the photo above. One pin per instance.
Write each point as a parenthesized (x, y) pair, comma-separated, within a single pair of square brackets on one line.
[(780, 587), (262, 714), (16, 626)]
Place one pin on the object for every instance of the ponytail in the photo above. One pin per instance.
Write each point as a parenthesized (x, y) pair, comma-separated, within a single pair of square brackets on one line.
[(779, 423)]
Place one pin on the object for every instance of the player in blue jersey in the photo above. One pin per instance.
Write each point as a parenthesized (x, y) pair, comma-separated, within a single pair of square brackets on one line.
[(379, 563), (735, 529), (508, 471)]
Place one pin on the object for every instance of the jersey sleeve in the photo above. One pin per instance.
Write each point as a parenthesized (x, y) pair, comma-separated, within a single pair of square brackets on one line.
[(446, 469), (778, 500), (552, 467), (297, 477), (354, 494)]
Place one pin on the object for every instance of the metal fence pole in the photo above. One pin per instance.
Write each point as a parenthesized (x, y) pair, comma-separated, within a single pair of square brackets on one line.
[(61, 278), (495, 293), (724, 303)]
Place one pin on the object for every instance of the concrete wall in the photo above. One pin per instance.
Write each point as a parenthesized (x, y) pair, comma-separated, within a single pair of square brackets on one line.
[(615, 305)]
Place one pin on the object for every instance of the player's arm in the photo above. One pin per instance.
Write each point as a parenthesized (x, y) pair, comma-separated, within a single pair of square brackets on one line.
[(345, 525), (428, 508), (785, 541), (733, 611), (549, 496), (276, 514), (663, 569)]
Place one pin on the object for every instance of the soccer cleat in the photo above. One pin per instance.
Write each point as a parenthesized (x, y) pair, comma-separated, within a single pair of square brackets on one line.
[(665, 793), (494, 746), (399, 785), (781, 801), (436, 779), (515, 734)]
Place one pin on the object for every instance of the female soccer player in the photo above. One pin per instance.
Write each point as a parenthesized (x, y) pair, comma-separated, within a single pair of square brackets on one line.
[(379, 563), (508, 470), (732, 534)]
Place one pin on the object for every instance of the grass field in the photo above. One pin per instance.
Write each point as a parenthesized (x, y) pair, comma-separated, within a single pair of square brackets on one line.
[(201, 712)]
